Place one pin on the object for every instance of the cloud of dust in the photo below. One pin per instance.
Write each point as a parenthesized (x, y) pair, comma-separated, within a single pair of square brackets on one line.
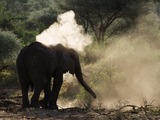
[(67, 32), (134, 71), (131, 65)]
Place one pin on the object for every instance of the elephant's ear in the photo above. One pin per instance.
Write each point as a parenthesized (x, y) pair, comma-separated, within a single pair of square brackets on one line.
[(68, 64)]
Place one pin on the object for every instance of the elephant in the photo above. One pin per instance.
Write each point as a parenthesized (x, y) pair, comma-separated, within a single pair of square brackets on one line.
[(37, 64)]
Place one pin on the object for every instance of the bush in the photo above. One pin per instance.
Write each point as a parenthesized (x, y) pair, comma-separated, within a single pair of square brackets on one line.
[(8, 51), (94, 52), (9, 45)]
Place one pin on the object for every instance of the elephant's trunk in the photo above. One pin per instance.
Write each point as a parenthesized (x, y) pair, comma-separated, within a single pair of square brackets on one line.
[(78, 74)]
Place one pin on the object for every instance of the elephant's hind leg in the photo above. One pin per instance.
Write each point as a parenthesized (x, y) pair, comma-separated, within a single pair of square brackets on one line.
[(25, 100), (35, 97), (24, 88), (44, 102)]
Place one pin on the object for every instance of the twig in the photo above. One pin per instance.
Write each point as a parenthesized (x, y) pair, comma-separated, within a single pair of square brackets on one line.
[(133, 106)]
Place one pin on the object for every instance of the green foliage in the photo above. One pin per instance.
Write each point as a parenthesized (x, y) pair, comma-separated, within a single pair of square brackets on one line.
[(42, 13), (5, 15), (26, 18), (8, 78), (9, 45), (27, 36), (8, 51), (42, 19)]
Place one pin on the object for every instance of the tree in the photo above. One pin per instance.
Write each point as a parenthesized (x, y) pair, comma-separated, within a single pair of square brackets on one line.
[(5, 15), (100, 16), (41, 13), (26, 18)]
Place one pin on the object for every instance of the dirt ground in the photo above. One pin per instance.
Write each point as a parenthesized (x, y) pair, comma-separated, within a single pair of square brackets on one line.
[(10, 109)]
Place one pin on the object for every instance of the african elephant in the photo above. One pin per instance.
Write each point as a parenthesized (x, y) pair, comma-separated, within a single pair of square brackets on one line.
[(37, 64)]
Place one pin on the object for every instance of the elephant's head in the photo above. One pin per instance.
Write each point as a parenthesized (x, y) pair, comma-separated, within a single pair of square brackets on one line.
[(70, 63)]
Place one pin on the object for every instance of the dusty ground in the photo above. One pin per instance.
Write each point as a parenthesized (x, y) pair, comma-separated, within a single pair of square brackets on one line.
[(10, 109)]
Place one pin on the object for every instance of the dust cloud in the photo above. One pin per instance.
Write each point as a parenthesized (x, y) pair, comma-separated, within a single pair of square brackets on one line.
[(133, 72), (66, 32), (129, 72)]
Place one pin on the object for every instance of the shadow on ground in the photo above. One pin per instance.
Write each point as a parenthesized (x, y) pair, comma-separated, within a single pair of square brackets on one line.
[(10, 108)]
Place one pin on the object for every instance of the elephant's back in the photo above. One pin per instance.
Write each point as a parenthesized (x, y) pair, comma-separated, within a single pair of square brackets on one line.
[(34, 54), (37, 49), (37, 46)]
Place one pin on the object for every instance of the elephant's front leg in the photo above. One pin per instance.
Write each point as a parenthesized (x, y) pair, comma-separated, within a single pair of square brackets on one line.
[(58, 80)]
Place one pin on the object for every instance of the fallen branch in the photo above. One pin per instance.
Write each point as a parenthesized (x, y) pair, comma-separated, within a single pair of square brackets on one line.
[(133, 107)]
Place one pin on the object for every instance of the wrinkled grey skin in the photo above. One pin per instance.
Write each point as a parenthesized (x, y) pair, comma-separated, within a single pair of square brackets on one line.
[(37, 64)]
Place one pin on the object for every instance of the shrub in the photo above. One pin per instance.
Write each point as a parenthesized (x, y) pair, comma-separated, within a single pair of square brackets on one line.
[(94, 52), (8, 50)]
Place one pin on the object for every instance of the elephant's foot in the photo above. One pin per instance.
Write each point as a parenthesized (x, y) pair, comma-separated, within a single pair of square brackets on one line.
[(34, 104), (53, 107), (25, 104), (43, 103)]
